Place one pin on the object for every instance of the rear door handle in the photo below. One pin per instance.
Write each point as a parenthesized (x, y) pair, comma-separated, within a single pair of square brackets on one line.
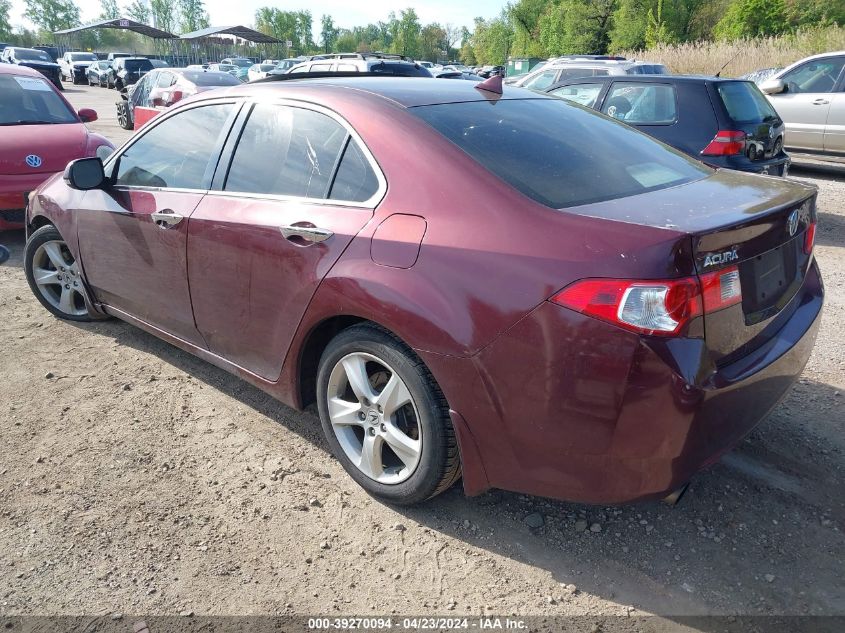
[(166, 218), (821, 102), (307, 233)]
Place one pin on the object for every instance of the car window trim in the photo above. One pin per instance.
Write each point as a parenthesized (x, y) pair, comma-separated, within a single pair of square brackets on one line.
[(225, 160), (671, 84), (113, 161)]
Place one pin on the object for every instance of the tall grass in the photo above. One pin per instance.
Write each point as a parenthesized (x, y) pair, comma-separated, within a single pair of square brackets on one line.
[(743, 56)]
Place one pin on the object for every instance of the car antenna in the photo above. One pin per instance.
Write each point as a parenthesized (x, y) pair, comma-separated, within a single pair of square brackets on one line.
[(726, 64), (493, 84)]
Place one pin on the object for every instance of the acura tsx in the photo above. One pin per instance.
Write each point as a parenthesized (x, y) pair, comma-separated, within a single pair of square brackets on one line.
[(578, 311)]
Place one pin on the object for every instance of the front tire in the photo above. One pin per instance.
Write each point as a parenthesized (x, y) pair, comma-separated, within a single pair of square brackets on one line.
[(54, 276), (385, 418)]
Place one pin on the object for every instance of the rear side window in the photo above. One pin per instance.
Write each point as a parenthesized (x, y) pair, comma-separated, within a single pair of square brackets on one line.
[(355, 180), (641, 103), (745, 103), (155, 160), (558, 154), (286, 151)]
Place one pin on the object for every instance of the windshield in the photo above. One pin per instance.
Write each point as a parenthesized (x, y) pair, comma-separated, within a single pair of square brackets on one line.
[(745, 103), (138, 64), (211, 78), (31, 100), (226, 67), (557, 153), (399, 69), (31, 55), (83, 57), (243, 63)]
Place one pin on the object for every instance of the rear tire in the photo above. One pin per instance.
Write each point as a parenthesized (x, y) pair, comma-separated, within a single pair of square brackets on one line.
[(395, 403)]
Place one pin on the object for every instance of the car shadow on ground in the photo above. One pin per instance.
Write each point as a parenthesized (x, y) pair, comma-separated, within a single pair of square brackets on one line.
[(758, 533), (14, 241)]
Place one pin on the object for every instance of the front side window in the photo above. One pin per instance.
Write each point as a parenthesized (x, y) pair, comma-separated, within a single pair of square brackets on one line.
[(641, 103), (585, 94), (815, 76), (286, 151), (176, 152), (557, 154)]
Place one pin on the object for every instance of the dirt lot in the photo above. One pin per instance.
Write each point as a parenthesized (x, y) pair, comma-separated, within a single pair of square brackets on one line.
[(137, 479)]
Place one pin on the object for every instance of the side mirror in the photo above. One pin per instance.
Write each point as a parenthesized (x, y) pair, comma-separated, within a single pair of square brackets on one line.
[(87, 115), (85, 174), (773, 86)]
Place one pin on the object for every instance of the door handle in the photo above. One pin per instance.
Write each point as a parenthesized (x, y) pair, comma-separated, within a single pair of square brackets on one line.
[(166, 218), (821, 102), (307, 233)]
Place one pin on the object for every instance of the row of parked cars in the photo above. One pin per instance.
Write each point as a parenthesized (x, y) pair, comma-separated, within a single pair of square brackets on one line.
[(646, 310)]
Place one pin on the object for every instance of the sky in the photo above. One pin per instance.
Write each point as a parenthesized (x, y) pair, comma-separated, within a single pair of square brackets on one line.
[(346, 13)]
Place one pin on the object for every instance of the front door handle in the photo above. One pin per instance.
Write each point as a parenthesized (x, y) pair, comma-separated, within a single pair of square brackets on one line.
[(307, 233), (821, 102), (166, 218)]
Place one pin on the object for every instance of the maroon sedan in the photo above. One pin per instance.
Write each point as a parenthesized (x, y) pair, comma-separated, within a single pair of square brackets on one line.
[(577, 311)]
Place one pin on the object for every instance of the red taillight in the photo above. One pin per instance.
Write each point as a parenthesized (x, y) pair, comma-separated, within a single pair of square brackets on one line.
[(810, 238), (725, 143), (659, 308)]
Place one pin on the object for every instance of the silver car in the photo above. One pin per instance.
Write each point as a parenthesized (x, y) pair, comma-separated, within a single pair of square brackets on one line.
[(562, 68), (809, 97)]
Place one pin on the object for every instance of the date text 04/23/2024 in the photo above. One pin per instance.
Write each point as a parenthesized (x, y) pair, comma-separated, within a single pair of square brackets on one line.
[(417, 624)]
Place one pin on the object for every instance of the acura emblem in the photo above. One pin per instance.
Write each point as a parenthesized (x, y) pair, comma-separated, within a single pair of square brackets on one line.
[(792, 223), (33, 160)]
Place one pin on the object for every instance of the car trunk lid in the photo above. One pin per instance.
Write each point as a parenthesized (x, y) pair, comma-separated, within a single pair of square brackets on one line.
[(756, 224)]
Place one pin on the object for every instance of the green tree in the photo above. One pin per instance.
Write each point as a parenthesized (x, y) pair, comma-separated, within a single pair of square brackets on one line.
[(492, 39), (109, 10), (5, 24), (815, 12), (577, 26), (329, 33), (752, 18), (524, 16), (139, 11), (192, 15), (406, 33), (287, 25), (163, 15), (433, 44), (52, 15), (657, 30)]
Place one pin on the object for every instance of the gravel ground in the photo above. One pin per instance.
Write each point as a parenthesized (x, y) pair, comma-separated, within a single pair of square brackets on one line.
[(135, 478)]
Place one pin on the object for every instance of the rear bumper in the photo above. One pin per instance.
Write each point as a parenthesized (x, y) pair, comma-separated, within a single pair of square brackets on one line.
[(566, 406), (776, 166), (13, 193)]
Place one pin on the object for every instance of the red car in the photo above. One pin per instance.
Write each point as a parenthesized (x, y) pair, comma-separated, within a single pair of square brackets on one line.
[(40, 134), (159, 89), (577, 311)]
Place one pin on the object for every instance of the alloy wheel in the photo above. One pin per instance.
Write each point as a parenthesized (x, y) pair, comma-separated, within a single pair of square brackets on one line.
[(374, 418), (56, 275)]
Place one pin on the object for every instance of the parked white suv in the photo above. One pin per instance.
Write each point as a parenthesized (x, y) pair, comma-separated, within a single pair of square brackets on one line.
[(362, 63), (74, 64), (809, 96), (562, 68)]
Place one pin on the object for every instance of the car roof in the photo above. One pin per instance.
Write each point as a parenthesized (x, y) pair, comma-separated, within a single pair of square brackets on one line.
[(653, 78), (407, 92), (14, 69)]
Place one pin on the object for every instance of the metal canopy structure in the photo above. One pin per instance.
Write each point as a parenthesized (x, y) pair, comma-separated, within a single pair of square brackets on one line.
[(241, 32), (124, 24)]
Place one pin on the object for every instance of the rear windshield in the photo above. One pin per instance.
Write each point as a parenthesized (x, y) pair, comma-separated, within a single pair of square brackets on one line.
[(138, 64), (560, 154), (399, 69), (27, 55), (83, 57), (31, 100), (745, 103), (202, 78)]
